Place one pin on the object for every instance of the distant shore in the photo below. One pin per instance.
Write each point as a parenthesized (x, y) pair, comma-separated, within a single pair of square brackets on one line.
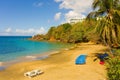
[(60, 65)]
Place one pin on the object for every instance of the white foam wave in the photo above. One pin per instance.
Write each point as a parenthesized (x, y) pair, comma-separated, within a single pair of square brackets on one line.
[(31, 57)]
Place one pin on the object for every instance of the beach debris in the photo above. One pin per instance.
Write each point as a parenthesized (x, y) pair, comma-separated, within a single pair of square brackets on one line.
[(102, 62), (66, 49), (33, 73), (101, 57)]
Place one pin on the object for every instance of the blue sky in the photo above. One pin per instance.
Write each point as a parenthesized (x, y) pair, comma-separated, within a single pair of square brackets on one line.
[(29, 17)]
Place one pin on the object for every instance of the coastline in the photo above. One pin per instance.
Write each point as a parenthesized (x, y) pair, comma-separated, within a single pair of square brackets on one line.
[(28, 58), (32, 57), (61, 66)]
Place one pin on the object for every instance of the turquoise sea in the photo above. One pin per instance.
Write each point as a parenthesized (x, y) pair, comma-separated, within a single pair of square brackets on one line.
[(16, 47)]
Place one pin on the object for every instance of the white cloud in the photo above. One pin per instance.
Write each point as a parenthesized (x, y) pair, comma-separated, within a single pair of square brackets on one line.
[(73, 15), (76, 8), (40, 31), (57, 0), (57, 16), (4, 33), (38, 4), (8, 30), (30, 31)]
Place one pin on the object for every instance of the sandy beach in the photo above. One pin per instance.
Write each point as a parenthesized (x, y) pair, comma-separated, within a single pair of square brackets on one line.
[(61, 66)]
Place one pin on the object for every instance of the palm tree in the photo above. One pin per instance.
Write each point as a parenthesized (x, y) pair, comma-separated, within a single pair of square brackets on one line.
[(104, 7), (108, 27)]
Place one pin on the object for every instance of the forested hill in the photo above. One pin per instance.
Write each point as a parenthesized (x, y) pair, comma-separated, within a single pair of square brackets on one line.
[(71, 33)]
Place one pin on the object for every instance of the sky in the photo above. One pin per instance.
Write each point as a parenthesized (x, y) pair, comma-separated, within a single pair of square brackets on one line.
[(30, 17)]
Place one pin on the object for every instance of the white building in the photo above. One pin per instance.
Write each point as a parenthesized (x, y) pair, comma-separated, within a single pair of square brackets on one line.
[(72, 21)]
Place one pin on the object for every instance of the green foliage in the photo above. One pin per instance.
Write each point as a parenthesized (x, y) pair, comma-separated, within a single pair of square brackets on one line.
[(50, 33), (113, 68), (76, 37), (108, 31), (108, 28), (38, 37), (62, 32), (77, 33), (104, 7), (90, 33), (71, 33), (113, 65)]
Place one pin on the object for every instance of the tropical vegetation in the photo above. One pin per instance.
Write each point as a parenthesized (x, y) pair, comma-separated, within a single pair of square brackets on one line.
[(113, 66), (71, 33), (108, 29)]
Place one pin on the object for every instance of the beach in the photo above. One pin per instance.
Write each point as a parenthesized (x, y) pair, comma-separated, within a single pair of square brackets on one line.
[(61, 66)]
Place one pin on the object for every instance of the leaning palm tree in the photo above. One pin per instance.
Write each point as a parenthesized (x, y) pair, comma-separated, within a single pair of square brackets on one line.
[(108, 27)]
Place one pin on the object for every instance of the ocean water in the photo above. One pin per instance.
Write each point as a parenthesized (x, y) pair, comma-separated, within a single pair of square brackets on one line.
[(14, 47)]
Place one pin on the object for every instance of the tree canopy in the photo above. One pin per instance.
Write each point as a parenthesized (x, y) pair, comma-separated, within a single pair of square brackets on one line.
[(108, 28)]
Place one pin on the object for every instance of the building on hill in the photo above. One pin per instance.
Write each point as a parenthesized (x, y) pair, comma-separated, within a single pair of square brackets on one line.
[(72, 21)]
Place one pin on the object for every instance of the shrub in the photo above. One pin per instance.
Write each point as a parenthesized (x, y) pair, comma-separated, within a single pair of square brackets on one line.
[(113, 68)]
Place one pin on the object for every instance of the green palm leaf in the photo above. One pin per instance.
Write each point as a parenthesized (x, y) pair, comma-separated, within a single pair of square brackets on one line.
[(109, 27)]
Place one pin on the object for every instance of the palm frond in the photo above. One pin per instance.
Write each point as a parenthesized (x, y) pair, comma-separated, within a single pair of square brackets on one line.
[(91, 15), (95, 4), (109, 27), (116, 4)]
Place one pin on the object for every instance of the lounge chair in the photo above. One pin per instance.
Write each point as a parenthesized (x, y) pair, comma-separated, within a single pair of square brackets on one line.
[(33, 73)]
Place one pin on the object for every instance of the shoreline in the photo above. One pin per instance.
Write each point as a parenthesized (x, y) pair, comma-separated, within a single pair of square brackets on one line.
[(61, 66), (32, 57), (28, 58), (20, 46)]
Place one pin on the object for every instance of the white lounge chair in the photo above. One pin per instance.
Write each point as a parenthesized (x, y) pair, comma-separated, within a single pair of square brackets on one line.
[(33, 73)]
